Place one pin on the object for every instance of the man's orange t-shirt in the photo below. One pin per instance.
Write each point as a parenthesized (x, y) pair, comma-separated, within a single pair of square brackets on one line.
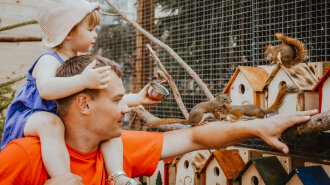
[(21, 162)]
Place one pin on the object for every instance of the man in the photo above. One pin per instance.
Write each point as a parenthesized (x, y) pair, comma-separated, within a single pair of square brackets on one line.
[(93, 116)]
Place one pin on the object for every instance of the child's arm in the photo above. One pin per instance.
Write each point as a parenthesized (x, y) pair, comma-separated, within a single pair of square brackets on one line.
[(141, 98), (51, 87)]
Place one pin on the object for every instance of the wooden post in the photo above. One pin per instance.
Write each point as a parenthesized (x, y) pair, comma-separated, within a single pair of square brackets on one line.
[(146, 19), (144, 68)]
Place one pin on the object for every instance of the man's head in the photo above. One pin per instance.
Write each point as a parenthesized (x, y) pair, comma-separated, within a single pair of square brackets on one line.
[(102, 111)]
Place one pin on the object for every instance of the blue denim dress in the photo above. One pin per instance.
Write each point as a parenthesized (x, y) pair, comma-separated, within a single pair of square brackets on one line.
[(27, 102)]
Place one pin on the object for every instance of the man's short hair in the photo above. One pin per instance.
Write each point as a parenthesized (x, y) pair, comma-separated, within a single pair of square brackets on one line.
[(75, 66)]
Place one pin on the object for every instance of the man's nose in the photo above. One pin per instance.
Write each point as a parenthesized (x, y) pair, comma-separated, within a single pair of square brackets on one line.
[(125, 109)]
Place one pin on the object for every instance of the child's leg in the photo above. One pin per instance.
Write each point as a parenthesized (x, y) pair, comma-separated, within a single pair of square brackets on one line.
[(112, 152), (50, 129)]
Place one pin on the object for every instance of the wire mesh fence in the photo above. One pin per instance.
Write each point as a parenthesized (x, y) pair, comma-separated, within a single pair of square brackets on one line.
[(213, 37)]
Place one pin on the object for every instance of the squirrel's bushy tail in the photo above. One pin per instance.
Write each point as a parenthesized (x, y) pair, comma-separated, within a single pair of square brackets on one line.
[(301, 49), (284, 90), (166, 122)]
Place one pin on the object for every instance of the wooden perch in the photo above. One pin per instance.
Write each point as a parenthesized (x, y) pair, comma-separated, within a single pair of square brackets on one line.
[(148, 118), (20, 39), (171, 82), (18, 25), (175, 56), (317, 123)]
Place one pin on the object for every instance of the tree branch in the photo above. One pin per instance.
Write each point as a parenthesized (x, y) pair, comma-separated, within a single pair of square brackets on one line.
[(317, 123), (20, 39), (171, 82), (175, 56), (18, 25), (148, 118)]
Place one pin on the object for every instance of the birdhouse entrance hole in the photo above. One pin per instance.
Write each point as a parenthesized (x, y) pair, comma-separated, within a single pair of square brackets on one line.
[(241, 88), (254, 180), (186, 164), (281, 84), (216, 171)]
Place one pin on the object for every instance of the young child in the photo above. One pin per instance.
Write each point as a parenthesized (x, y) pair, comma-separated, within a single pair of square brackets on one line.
[(68, 28)]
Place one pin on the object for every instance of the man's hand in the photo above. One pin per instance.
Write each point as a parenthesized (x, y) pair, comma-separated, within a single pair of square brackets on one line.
[(270, 129), (95, 78), (67, 179)]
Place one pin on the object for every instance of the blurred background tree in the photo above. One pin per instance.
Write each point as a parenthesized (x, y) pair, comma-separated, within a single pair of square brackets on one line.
[(7, 94)]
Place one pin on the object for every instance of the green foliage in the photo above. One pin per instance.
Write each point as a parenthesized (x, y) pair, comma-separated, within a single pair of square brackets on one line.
[(159, 180), (7, 94)]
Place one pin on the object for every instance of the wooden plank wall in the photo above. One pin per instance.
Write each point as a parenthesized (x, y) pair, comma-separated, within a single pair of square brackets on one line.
[(17, 58)]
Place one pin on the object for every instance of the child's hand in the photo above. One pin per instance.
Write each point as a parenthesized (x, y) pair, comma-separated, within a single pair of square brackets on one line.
[(144, 98), (95, 78)]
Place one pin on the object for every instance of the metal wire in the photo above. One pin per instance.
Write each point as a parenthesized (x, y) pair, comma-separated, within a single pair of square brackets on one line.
[(213, 37)]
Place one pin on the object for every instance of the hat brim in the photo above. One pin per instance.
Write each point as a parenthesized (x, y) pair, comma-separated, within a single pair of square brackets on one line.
[(59, 39)]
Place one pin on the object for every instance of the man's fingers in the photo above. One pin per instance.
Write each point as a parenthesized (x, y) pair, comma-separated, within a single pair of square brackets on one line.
[(279, 145), (306, 113)]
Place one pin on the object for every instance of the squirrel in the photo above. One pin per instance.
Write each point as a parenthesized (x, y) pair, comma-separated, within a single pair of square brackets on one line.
[(286, 53), (252, 110), (196, 114)]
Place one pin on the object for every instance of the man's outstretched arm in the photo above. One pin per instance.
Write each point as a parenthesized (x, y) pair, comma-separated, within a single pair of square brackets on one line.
[(219, 135)]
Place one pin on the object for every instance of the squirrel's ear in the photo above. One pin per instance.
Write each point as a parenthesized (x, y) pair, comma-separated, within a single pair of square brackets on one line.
[(267, 46)]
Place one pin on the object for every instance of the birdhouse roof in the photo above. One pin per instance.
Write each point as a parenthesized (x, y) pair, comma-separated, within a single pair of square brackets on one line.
[(256, 76), (230, 162), (300, 74), (269, 168), (310, 175), (196, 159), (322, 80)]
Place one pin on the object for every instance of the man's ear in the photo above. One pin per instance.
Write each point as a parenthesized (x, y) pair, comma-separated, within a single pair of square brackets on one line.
[(82, 103)]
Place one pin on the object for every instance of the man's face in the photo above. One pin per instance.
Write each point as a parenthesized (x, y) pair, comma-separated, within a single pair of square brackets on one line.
[(108, 110)]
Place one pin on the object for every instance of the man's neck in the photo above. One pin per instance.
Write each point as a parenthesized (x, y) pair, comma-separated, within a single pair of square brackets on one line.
[(79, 138)]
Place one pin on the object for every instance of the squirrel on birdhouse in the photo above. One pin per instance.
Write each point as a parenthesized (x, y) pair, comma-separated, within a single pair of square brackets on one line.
[(290, 52)]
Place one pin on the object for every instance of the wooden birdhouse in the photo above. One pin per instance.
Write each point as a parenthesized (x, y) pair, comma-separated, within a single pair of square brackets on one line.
[(246, 86), (188, 167), (166, 172), (262, 171), (245, 153), (169, 171), (314, 175), (222, 167), (298, 76), (159, 173), (323, 88)]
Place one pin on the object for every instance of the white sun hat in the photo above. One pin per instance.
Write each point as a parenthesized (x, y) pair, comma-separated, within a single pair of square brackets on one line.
[(57, 17)]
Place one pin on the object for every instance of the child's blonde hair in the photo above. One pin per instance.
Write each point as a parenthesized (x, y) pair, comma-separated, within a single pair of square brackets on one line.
[(92, 19)]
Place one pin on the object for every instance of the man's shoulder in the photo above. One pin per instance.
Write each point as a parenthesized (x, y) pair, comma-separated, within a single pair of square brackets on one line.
[(30, 146)]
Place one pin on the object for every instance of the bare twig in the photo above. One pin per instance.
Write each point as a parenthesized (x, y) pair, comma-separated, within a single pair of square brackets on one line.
[(317, 123), (171, 82), (18, 25), (109, 14), (175, 56), (20, 39)]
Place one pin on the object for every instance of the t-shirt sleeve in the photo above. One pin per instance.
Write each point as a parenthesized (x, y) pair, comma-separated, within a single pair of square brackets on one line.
[(21, 163), (13, 165), (142, 152)]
